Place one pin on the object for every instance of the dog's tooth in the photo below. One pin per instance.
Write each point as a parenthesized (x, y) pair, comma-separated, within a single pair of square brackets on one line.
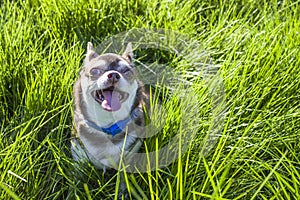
[(101, 97)]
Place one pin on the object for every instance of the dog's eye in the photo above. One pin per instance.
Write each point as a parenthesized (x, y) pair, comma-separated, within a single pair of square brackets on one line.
[(95, 72), (127, 72)]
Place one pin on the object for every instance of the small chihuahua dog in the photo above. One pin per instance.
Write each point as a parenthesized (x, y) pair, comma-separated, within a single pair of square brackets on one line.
[(109, 109), (109, 101)]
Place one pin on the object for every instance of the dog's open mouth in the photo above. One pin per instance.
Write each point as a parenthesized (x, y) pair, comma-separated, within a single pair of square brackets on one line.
[(110, 98)]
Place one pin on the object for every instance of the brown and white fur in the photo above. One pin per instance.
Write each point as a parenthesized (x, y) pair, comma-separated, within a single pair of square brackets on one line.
[(106, 92)]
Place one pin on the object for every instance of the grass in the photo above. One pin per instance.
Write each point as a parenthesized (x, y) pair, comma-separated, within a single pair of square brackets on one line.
[(253, 44)]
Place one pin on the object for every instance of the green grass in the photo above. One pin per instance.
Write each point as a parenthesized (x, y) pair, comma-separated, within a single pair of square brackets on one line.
[(253, 44)]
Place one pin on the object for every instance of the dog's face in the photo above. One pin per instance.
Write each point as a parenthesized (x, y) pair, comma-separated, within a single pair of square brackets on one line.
[(108, 85)]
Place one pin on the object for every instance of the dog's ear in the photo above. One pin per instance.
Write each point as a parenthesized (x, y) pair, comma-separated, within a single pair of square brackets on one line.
[(128, 52), (91, 53)]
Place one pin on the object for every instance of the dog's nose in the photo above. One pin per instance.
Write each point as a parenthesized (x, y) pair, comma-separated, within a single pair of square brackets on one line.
[(113, 77)]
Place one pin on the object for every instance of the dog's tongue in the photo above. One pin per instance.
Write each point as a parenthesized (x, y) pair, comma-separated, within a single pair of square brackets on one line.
[(111, 101)]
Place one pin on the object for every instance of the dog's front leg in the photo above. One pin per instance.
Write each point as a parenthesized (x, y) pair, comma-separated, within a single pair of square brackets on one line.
[(122, 192)]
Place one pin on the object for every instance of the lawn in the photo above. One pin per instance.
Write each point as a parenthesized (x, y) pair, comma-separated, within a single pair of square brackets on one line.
[(233, 96)]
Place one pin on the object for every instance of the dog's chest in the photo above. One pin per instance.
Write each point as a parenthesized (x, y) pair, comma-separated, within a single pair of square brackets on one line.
[(103, 149)]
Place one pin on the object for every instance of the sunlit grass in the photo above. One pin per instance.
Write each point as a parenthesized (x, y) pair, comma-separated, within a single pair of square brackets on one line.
[(254, 45)]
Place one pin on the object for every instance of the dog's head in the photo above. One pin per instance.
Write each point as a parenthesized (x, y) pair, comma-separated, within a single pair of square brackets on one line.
[(108, 82)]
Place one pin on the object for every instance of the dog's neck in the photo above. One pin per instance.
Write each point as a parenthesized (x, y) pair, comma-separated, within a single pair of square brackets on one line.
[(114, 129)]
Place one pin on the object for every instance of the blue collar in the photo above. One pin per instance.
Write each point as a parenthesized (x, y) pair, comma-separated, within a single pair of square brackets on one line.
[(113, 129)]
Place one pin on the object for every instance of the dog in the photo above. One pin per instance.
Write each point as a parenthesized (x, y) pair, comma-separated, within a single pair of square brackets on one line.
[(110, 105)]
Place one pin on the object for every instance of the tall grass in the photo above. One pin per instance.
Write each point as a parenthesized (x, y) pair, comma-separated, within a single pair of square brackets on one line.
[(254, 44)]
